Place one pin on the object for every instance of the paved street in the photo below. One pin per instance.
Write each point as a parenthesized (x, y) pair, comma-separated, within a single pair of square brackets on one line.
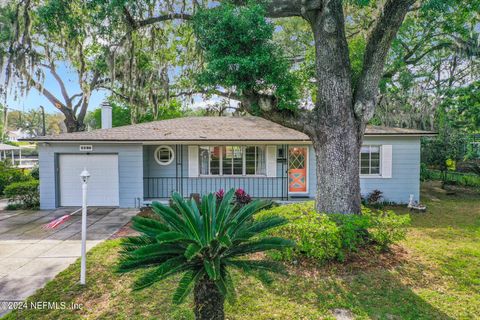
[(31, 255)]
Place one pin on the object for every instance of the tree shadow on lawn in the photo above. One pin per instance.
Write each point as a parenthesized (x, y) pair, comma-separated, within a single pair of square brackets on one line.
[(378, 290)]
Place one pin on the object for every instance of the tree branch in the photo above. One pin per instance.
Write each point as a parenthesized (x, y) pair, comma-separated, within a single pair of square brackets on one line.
[(229, 95), (59, 80), (378, 45), (50, 97), (288, 8), (166, 17)]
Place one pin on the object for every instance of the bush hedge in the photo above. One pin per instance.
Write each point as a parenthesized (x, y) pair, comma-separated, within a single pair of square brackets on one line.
[(450, 177), (327, 237), (9, 175), (23, 194)]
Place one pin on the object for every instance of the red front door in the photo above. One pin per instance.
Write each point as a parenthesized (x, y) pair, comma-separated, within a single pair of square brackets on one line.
[(297, 169)]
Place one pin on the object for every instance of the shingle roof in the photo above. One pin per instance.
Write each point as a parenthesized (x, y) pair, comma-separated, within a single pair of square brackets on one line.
[(206, 129)]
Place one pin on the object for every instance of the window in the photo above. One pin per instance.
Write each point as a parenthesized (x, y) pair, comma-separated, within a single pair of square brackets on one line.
[(370, 160), (210, 160), (164, 155), (232, 160)]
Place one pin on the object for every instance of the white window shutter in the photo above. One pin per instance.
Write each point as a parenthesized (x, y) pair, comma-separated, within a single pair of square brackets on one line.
[(193, 161), (386, 159), (271, 161)]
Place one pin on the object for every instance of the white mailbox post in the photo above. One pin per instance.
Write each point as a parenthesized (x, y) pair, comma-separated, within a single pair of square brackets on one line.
[(83, 266)]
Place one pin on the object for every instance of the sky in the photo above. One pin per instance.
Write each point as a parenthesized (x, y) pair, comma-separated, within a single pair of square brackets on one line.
[(34, 99)]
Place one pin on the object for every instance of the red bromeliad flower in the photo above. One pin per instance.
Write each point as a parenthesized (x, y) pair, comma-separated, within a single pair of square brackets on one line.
[(242, 197), (219, 194)]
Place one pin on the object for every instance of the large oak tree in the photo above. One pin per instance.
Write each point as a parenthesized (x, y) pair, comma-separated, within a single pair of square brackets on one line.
[(342, 108)]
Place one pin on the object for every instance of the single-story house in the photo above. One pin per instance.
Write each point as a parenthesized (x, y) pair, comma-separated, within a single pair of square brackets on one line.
[(132, 165)]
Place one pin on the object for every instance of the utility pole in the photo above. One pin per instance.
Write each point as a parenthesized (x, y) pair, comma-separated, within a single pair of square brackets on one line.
[(44, 130)]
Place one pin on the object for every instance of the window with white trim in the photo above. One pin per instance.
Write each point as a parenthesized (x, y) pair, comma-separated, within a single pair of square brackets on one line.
[(164, 155), (232, 160), (370, 160)]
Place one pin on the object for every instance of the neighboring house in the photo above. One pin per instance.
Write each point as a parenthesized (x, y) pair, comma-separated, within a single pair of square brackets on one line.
[(132, 165), (16, 135)]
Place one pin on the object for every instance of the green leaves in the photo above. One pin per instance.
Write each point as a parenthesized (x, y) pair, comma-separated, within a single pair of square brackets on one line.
[(148, 226), (200, 241), (240, 55), (170, 236), (192, 250), (167, 268), (185, 285)]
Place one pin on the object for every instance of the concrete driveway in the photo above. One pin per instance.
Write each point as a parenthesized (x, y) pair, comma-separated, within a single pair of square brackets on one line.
[(31, 255)]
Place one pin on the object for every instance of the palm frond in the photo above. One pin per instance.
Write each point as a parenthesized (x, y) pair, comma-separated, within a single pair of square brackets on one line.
[(227, 280), (264, 244), (133, 243), (148, 255), (170, 216), (246, 213), (171, 236), (249, 230), (191, 220), (212, 269), (148, 226), (159, 248), (208, 215), (185, 285), (166, 269), (225, 209), (192, 250), (131, 262), (267, 224)]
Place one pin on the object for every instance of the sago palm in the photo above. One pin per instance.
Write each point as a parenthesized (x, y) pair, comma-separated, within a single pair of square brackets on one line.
[(203, 242)]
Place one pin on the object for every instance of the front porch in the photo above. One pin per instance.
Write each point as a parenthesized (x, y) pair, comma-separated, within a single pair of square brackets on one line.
[(258, 187), (178, 168)]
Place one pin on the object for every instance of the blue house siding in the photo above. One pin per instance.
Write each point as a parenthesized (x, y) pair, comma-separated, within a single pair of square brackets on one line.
[(405, 178), (136, 163), (130, 166)]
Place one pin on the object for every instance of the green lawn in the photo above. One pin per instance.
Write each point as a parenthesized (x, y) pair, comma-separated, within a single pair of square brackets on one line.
[(433, 274)]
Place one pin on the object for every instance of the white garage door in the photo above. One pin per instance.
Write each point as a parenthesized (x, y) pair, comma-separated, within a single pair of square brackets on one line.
[(102, 185)]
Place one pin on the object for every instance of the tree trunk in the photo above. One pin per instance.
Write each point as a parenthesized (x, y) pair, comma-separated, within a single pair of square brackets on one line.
[(208, 301), (72, 124), (337, 167), (337, 133)]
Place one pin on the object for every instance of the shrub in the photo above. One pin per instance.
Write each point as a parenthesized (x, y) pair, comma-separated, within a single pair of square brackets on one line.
[(333, 236), (375, 196), (9, 175), (386, 227), (35, 173), (353, 231), (24, 194), (315, 235)]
